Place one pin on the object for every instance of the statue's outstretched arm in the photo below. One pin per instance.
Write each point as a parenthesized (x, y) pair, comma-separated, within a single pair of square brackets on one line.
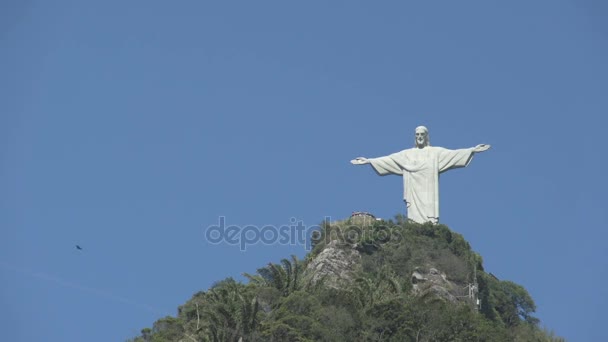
[(360, 161), (481, 148)]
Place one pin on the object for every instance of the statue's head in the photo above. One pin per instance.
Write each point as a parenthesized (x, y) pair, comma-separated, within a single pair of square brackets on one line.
[(422, 138)]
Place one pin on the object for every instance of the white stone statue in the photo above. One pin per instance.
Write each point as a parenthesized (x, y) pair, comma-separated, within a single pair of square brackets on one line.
[(420, 167)]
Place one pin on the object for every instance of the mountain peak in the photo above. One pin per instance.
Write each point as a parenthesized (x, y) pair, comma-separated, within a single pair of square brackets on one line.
[(364, 279)]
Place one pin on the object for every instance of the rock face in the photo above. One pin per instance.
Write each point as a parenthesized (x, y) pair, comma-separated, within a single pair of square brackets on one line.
[(335, 265), (436, 282)]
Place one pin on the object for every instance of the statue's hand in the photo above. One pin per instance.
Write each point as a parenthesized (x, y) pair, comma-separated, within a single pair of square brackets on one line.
[(359, 161), (481, 148)]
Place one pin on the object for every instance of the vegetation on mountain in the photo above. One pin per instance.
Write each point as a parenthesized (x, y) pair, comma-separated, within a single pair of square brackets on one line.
[(381, 301)]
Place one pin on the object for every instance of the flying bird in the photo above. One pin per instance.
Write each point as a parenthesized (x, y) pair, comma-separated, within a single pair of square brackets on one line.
[(78, 248)]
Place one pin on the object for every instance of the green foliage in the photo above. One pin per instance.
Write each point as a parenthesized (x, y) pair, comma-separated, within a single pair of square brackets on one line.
[(508, 303), (370, 289), (166, 329), (280, 304), (231, 312), (286, 277)]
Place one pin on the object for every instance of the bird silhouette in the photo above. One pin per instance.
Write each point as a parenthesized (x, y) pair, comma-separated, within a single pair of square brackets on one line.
[(78, 248)]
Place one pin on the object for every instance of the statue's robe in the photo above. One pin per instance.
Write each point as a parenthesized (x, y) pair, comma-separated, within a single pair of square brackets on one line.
[(420, 168)]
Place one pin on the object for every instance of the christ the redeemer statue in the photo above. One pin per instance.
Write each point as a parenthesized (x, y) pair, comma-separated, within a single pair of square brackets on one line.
[(420, 167)]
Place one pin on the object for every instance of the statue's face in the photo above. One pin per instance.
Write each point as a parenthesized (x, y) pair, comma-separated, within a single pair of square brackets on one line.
[(420, 137)]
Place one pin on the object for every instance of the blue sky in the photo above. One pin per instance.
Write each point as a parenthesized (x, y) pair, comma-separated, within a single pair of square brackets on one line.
[(129, 127)]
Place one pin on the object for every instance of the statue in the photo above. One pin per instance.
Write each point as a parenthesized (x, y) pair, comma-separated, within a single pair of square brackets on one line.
[(420, 167)]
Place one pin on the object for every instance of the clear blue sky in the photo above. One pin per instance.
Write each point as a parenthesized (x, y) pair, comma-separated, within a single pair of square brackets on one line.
[(128, 127)]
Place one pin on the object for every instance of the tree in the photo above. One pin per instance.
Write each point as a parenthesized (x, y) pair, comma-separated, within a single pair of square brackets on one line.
[(232, 312), (369, 290), (523, 303), (285, 277)]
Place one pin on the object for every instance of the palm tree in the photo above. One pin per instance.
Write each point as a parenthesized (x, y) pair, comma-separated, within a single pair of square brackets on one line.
[(369, 290), (285, 277), (232, 312)]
